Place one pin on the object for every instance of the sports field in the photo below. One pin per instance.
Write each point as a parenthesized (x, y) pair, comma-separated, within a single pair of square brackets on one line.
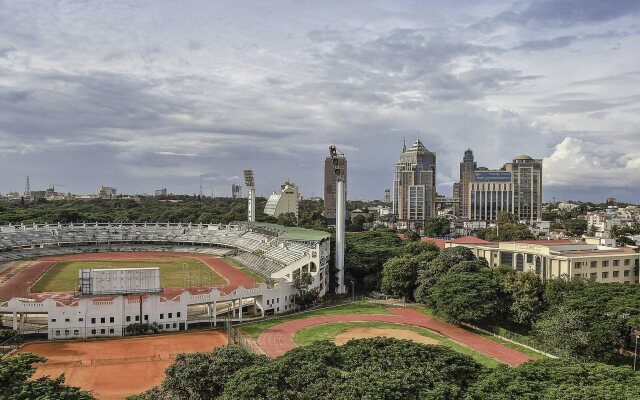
[(279, 335), (174, 272), (116, 368)]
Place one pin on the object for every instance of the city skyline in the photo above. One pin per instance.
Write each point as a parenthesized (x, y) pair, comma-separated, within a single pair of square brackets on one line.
[(176, 93)]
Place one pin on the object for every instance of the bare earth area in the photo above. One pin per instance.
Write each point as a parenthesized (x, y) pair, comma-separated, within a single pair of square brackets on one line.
[(116, 368), (366, 333)]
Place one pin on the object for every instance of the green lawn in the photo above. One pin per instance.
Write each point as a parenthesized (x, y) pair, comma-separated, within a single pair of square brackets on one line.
[(63, 276), (248, 271), (256, 328), (312, 334)]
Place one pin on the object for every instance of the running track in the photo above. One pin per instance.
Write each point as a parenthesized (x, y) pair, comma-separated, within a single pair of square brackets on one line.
[(278, 339), (19, 284)]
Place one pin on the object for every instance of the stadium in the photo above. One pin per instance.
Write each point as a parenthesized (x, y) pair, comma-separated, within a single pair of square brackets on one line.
[(206, 273)]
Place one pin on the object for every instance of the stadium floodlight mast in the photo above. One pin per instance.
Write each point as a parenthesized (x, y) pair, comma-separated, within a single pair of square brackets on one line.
[(251, 195), (339, 162)]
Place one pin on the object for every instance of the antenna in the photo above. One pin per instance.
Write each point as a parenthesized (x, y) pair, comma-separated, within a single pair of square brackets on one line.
[(27, 189)]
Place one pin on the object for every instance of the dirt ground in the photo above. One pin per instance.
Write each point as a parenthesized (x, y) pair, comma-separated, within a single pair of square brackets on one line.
[(116, 368), (365, 333)]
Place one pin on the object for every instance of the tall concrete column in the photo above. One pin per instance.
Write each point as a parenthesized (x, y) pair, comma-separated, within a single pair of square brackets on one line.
[(340, 235), (215, 315), (15, 321), (240, 309)]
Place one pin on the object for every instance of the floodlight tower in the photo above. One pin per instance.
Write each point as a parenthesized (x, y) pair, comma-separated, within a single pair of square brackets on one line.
[(339, 161), (251, 194)]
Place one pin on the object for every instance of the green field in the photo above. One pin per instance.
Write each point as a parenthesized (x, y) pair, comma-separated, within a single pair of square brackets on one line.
[(315, 333), (256, 328), (63, 276)]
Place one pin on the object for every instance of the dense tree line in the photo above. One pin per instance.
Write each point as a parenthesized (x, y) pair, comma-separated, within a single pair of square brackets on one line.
[(576, 318), (17, 383), (383, 369)]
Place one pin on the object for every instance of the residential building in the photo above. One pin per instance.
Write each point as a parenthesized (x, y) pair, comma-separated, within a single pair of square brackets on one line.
[(414, 186), (330, 187), (236, 191)]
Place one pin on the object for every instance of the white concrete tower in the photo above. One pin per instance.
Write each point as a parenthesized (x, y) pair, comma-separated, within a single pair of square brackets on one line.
[(341, 211), (251, 195)]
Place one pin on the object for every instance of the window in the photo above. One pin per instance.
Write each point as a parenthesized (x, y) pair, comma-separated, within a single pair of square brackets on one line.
[(593, 275), (605, 274), (278, 300), (175, 325), (616, 274), (577, 265), (594, 264), (626, 272), (170, 315), (66, 332), (605, 263), (168, 326), (616, 263), (111, 330), (76, 332), (137, 318), (128, 318), (178, 314), (102, 320), (80, 319), (111, 319), (146, 317), (93, 331), (57, 333), (93, 320), (577, 275), (626, 262), (103, 331), (161, 316), (53, 320), (66, 320)]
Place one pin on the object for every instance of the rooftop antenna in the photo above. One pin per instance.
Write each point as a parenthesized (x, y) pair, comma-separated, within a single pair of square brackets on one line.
[(27, 189)]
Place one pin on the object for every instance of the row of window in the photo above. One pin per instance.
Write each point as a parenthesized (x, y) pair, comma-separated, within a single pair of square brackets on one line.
[(103, 320), (103, 331), (605, 274), (605, 263)]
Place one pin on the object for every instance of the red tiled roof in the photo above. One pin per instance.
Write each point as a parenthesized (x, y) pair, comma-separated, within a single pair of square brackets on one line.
[(462, 240)]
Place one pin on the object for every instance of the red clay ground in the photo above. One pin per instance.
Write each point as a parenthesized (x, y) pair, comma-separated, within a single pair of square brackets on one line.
[(116, 368), (19, 284), (278, 339)]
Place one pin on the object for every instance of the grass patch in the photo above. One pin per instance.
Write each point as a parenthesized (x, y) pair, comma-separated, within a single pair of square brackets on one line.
[(312, 334), (256, 328), (259, 278), (63, 276)]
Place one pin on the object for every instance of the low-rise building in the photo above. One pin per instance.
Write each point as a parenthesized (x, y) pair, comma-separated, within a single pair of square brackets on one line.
[(561, 258)]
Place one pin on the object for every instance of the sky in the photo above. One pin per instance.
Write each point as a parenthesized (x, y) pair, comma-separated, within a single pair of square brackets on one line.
[(145, 94)]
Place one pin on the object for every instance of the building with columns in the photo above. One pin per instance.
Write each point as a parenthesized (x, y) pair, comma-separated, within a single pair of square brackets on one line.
[(561, 258)]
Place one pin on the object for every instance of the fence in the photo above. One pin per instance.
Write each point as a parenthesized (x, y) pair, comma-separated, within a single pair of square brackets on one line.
[(514, 337)]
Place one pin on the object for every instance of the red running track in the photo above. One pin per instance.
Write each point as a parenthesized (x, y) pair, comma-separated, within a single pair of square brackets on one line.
[(19, 284), (278, 339)]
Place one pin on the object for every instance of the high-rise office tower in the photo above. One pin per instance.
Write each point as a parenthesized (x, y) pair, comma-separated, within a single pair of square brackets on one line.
[(526, 176), (387, 196), (414, 186), (236, 191), (330, 188), (467, 174)]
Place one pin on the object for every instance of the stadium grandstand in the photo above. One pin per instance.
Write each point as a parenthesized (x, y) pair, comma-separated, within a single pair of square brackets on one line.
[(275, 252)]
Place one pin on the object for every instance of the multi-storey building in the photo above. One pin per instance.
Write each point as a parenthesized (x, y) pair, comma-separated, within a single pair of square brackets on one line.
[(561, 258), (330, 187), (284, 202), (387, 196), (414, 186), (514, 188), (236, 191)]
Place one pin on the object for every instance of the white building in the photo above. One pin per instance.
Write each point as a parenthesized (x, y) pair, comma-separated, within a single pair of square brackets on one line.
[(284, 202)]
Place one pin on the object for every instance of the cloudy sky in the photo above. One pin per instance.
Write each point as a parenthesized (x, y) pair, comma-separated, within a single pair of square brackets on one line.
[(148, 94)]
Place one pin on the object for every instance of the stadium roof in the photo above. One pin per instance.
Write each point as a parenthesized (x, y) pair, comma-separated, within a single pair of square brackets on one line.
[(292, 232)]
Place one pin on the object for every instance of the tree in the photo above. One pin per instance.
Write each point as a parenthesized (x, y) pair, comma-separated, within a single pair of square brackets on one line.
[(200, 376), (420, 248), (577, 227), (466, 297), (412, 236), (438, 267), (301, 283), (563, 330), (525, 291), (366, 253), (399, 276), (16, 382), (436, 227), (288, 219), (556, 379)]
